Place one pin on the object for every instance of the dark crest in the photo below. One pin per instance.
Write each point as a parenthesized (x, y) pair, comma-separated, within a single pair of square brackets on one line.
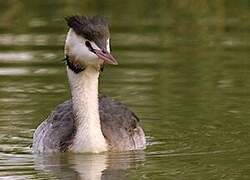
[(92, 28)]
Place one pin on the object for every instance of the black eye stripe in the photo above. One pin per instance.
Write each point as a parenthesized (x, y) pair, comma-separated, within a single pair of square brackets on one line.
[(88, 45)]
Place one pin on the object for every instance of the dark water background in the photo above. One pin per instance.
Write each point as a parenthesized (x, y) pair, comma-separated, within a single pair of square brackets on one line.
[(184, 69)]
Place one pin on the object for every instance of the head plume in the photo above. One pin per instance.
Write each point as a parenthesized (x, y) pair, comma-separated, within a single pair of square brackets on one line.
[(91, 28)]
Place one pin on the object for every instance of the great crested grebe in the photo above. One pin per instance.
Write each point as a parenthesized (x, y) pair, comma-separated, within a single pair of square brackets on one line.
[(88, 122)]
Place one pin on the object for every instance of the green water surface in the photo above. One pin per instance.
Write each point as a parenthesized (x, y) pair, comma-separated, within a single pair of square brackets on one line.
[(184, 70)]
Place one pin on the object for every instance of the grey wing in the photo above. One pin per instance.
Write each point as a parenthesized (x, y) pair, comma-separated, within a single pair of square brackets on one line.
[(57, 131), (120, 126)]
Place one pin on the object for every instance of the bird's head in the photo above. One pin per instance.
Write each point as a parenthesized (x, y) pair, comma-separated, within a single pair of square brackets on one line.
[(88, 42)]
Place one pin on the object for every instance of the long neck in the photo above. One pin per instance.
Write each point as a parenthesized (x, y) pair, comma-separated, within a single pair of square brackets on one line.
[(84, 91)]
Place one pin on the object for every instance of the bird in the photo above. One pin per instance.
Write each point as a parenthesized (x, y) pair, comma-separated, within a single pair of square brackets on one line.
[(89, 122)]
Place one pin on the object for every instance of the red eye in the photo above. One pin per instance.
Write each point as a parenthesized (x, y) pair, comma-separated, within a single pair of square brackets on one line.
[(88, 45)]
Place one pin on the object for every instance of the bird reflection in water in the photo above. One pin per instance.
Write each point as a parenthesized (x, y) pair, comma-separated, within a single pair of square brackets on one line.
[(89, 166)]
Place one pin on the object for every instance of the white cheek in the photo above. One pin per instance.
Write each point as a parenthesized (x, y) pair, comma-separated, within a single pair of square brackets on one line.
[(81, 52), (75, 45)]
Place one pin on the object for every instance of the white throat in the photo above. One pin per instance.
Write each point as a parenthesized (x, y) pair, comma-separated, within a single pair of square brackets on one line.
[(84, 91)]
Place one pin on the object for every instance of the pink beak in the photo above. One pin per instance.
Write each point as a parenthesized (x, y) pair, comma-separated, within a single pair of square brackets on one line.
[(106, 57)]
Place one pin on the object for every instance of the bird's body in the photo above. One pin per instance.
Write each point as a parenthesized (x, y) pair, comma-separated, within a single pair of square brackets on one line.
[(119, 125), (88, 122)]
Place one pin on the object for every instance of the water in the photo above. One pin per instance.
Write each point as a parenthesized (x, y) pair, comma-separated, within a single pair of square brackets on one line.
[(184, 69)]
